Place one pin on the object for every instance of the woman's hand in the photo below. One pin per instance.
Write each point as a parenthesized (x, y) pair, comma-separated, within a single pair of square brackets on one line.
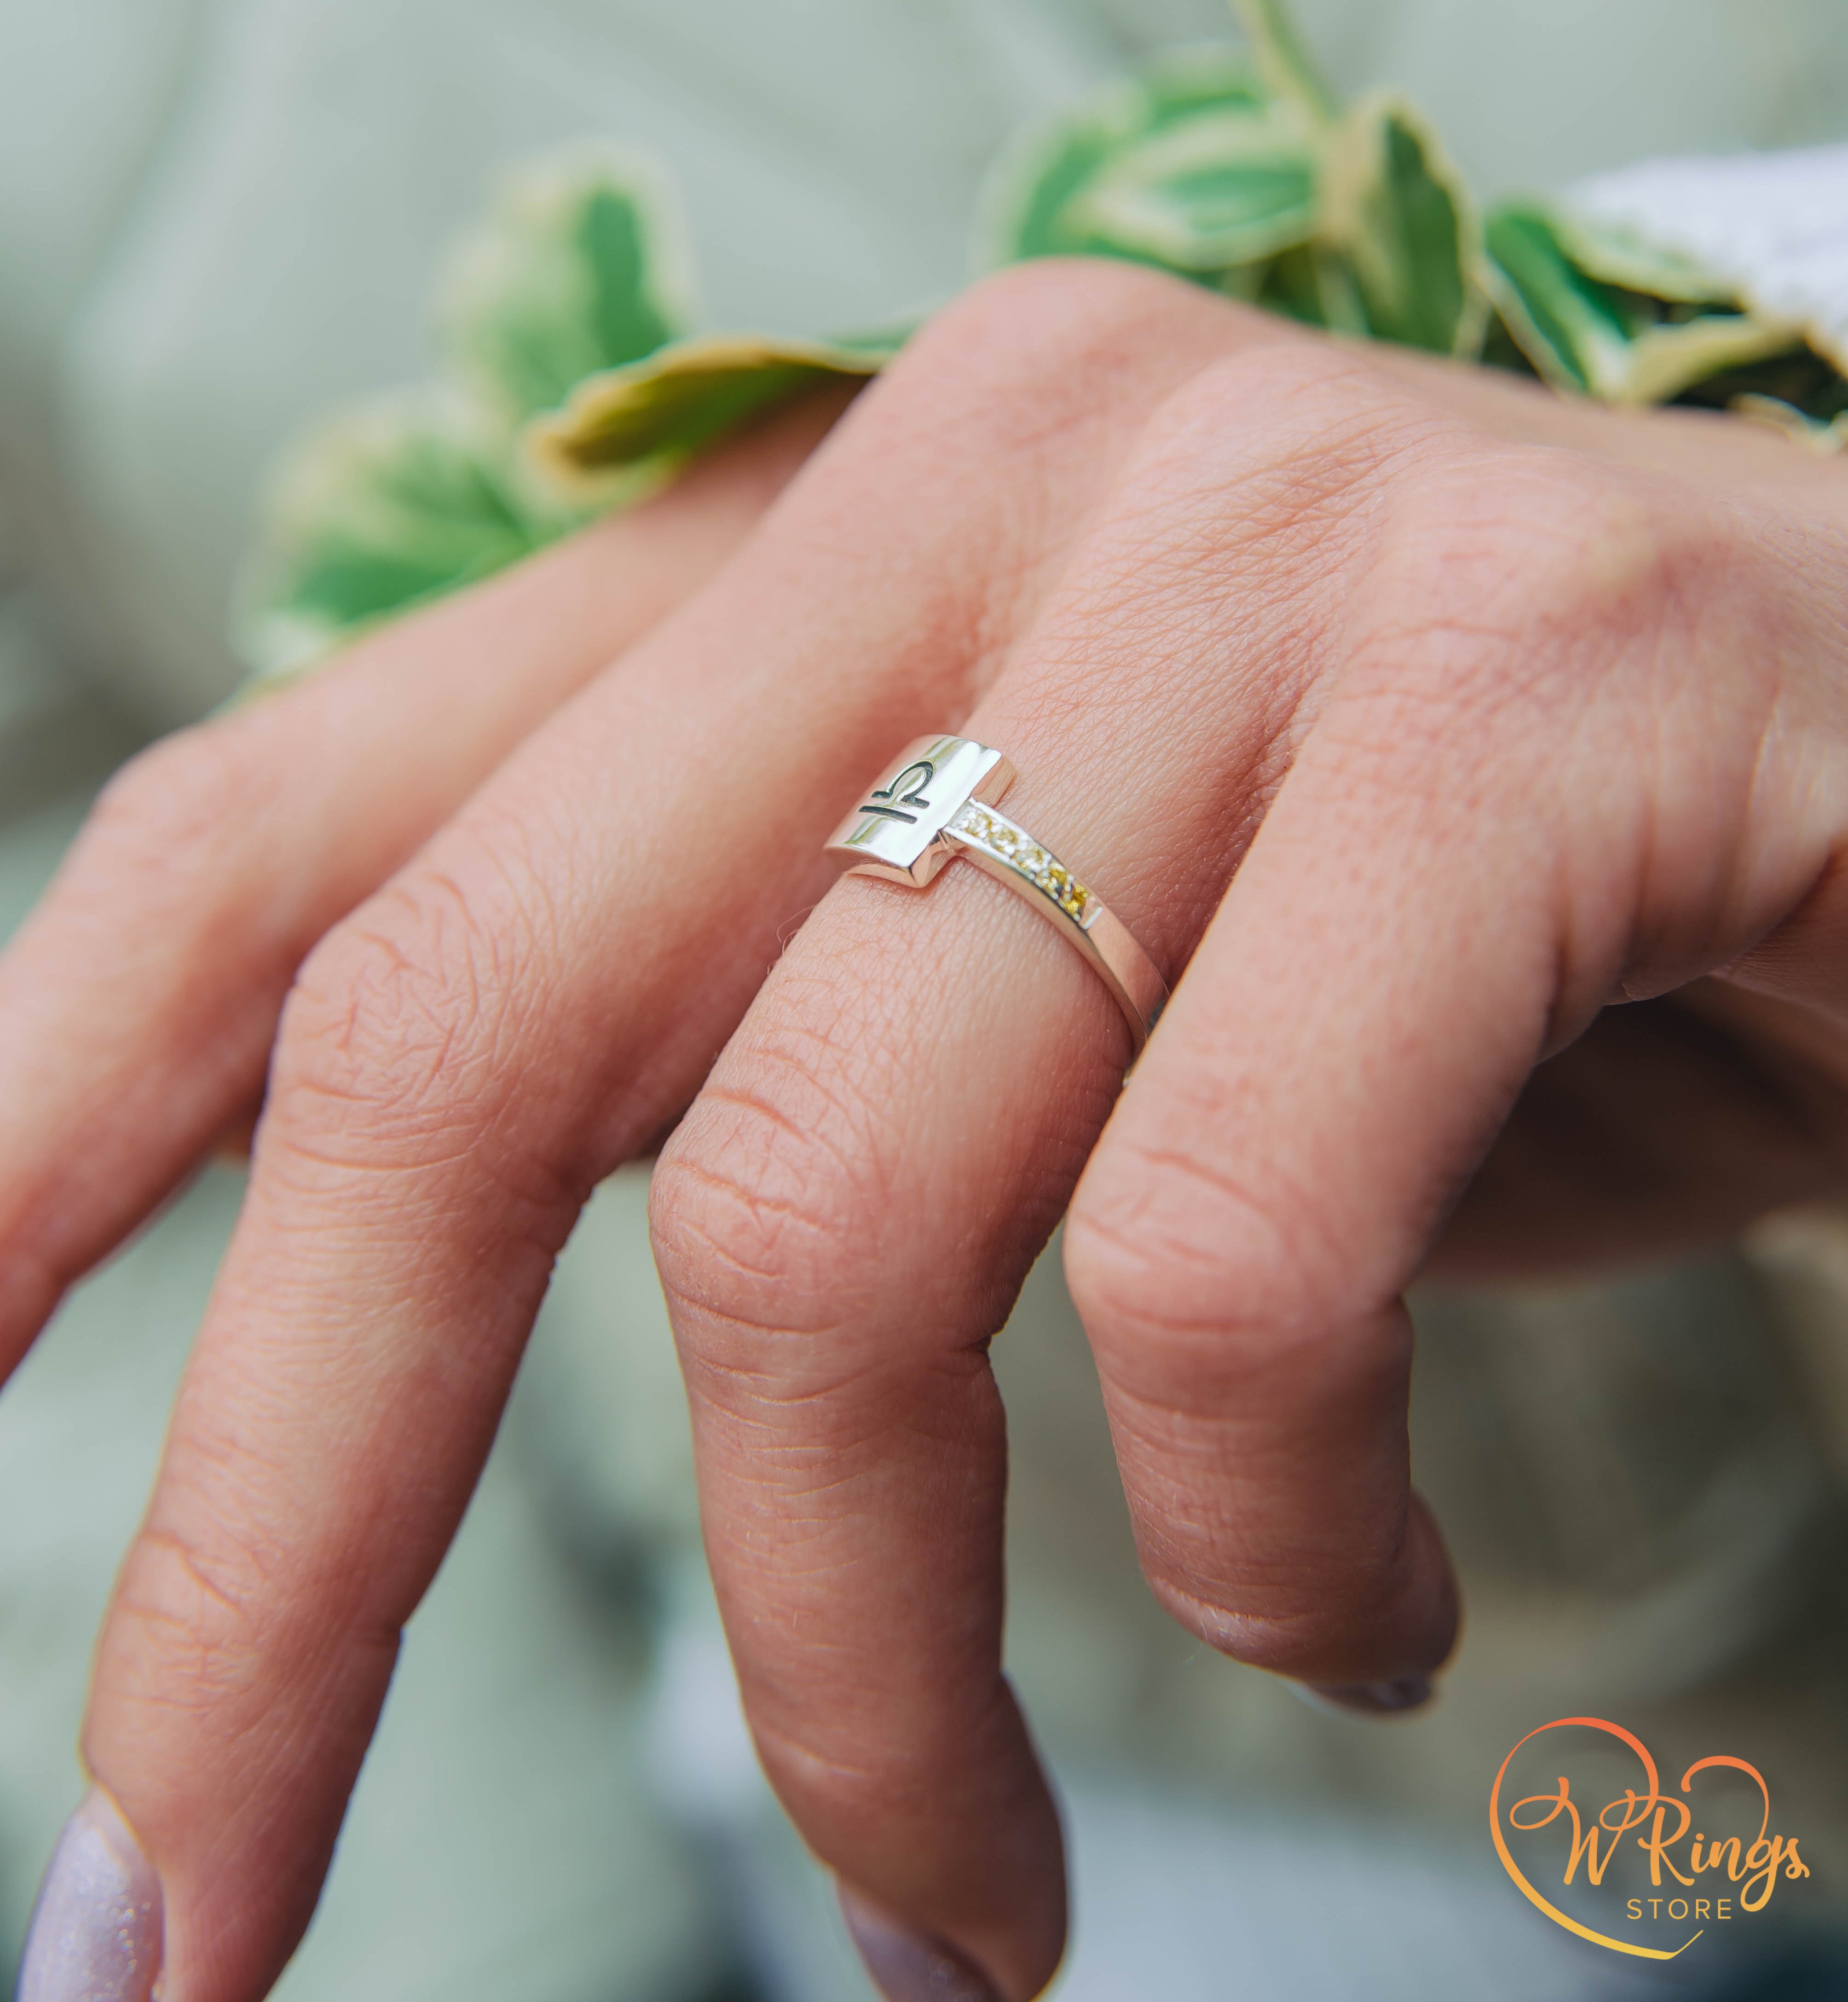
[(1502, 710)]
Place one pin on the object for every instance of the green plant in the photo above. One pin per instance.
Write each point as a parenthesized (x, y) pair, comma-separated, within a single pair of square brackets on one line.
[(573, 380)]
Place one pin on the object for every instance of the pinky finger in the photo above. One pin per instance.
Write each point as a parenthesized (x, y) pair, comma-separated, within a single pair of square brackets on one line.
[(1350, 1035)]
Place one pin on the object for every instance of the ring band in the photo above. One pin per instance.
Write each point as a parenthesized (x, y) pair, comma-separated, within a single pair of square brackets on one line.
[(936, 800)]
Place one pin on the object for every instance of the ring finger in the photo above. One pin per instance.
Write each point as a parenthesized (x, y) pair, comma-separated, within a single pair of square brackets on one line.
[(844, 1218)]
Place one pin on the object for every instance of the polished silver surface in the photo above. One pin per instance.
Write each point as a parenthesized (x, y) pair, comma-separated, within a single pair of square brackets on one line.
[(897, 831), (936, 800)]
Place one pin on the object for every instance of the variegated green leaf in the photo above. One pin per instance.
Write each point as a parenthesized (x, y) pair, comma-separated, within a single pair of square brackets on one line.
[(392, 504), (656, 413), (1826, 439), (1621, 258), (1799, 378), (1305, 283), (1223, 188), (582, 264), (1400, 226), (1193, 165), (1619, 345)]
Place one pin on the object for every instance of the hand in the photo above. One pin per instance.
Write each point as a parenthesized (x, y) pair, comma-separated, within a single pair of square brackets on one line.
[(1519, 709), (1502, 711)]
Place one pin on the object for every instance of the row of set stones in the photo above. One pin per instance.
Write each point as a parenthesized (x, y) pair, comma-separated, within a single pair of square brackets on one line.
[(1040, 869)]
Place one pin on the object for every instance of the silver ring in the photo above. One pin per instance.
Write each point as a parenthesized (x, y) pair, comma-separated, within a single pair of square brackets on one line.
[(936, 800)]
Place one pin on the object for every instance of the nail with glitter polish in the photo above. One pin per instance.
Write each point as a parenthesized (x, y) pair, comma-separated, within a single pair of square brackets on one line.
[(95, 1930), (1390, 1698), (907, 1966)]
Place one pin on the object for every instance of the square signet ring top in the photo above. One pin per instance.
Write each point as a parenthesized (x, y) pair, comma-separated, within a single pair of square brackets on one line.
[(937, 801)]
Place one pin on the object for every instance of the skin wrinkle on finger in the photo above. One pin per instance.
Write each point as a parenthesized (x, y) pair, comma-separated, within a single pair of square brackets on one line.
[(1238, 1414), (1285, 1233), (207, 1629), (1188, 1527), (871, 1789), (394, 1033), (227, 1608), (806, 1478), (1284, 1579), (795, 1653), (1294, 1629)]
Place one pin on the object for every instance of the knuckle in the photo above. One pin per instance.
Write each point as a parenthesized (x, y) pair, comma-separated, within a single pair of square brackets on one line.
[(1522, 572), (830, 1773), (1554, 528), (1300, 1617), (1024, 349), (398, 1026), (752, 1209), (1189, 1282), (211, 1621), (1309, 408), (855, 1783), (174, 808), (197, 1615), (1261, 468), (1337, 1597), (1063, 307)]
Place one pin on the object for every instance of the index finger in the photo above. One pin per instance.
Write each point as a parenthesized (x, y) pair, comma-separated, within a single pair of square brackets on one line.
[(138, 1003)]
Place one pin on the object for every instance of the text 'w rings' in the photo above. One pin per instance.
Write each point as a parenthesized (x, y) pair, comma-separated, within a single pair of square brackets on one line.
[(936, 800)]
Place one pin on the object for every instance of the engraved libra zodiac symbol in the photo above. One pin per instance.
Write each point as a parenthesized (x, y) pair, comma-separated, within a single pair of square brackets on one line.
[(903, 792), (903, 834)]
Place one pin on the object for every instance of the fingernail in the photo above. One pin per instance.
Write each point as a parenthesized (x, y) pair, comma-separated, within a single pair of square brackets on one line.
[(96, 1932), (907, 1966), (1403, 1692)]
